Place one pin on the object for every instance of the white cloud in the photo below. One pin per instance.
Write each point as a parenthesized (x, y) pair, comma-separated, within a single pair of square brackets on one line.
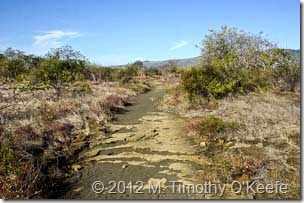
[(51, 39), (179, 45)]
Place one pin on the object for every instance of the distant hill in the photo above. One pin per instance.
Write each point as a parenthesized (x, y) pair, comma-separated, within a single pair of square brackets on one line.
[(177, 62), (191, 61), (186, 61), (165, 63)]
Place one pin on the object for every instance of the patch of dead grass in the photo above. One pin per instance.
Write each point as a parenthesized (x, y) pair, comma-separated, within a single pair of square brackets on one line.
[(269, 134), (32, 118)]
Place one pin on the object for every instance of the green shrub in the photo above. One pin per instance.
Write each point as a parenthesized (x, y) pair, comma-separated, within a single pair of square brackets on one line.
[(131, 70), (62, 65), (85, 88), (82, 89), (7, 160), (12, 63), (219, 81), (125, 79), (214, 81), (152, 72), (238, 62), (287, 70), (125, 75), (212, 125), (15, 64), (257, 78)]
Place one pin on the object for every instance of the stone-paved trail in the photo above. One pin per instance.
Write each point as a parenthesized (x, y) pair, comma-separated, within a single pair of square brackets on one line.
[(143, 144)]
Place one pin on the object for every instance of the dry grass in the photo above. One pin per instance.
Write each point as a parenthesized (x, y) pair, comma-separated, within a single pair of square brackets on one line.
[(40, 129), (267, 145)]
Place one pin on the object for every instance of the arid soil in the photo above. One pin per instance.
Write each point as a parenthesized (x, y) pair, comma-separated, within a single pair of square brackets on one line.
[(143, 144), (133, 144)]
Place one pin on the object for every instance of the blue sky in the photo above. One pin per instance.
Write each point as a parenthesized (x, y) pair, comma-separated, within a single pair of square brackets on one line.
[(120, 31)]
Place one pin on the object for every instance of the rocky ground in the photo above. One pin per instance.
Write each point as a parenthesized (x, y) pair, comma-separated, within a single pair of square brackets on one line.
[(143, 144), (151, 146), (152, 140)]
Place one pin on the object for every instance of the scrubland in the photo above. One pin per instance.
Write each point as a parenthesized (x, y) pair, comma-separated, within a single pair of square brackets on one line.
[(240, 104), (50, 110), (246, 113)]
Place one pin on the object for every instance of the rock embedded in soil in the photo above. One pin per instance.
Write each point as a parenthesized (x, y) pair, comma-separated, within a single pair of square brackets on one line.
[(76, 167), (203, 144), (229, 144)]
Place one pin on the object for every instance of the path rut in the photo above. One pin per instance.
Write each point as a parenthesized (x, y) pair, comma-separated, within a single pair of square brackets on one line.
[(143, 144)]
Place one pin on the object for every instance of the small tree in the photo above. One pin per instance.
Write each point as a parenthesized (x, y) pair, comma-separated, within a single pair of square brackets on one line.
[(140, 67), (15, 64), (132, 70), (12, 63), (236, 48), (287, 69), (138, 64), (3, 66), (235, 61), (60, 66), (229, 56)]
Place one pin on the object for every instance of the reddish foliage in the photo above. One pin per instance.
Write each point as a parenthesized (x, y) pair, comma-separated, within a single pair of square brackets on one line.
[(194, 125), (25, 185), (64, 128), (252, 166), (112, 100), (51, 112), (26, 131)]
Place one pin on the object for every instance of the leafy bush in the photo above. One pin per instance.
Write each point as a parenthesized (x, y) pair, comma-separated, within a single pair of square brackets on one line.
[(257, 78), (287, 70), (233, 62), (152, 72), (82, 89), (15, 65), (210, 125), (7, 160), (125, 75), (62, 65), (214, 81), (12, 63), (129, 72), (236, 62)]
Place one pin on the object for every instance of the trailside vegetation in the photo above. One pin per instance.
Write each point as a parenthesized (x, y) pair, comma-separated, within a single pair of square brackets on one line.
[(236, 62)]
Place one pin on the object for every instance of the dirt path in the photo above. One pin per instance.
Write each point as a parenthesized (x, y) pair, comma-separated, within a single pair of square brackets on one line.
[(143, 144)]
